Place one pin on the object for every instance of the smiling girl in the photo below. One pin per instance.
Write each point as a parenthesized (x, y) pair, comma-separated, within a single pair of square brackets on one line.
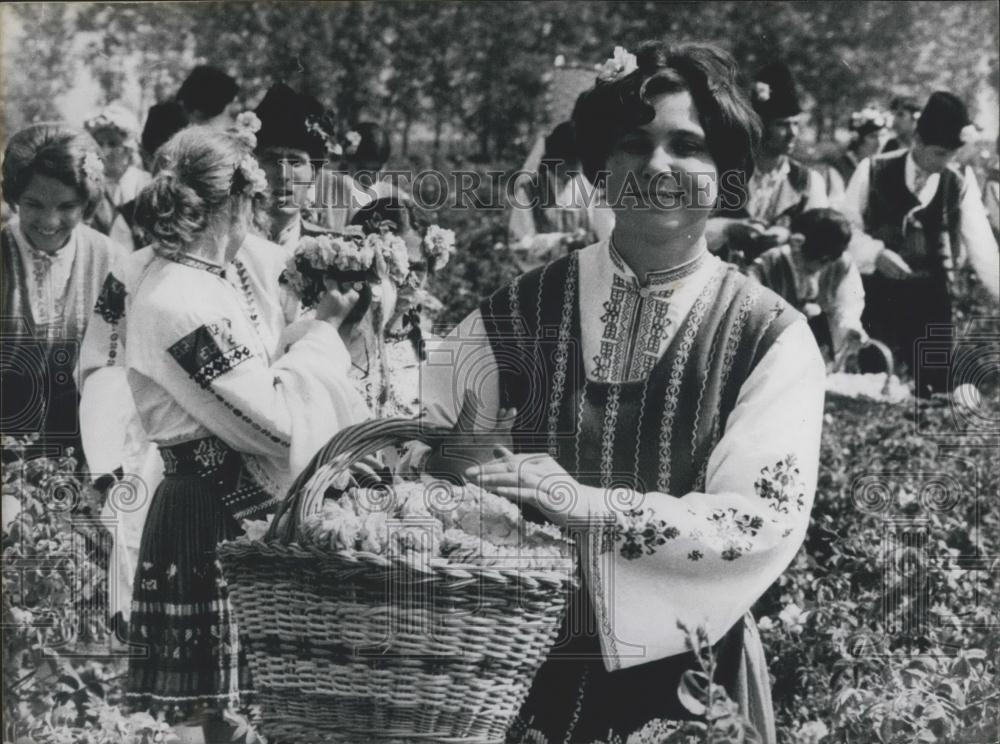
[(668, 409), (52, 270)]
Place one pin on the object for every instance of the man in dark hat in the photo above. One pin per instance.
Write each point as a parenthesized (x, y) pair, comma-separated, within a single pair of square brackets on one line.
[(781, 187), (297, 135), (920, 219), (206, 96), (905, 112)]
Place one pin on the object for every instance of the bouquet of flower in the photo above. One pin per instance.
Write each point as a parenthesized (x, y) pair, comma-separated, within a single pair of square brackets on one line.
[(351, 257)]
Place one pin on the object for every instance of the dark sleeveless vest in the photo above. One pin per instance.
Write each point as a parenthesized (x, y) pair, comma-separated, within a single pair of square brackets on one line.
[(931, 251), (655, 434)]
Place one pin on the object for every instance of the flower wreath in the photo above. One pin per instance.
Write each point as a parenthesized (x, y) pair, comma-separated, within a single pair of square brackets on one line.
[(351, 257)]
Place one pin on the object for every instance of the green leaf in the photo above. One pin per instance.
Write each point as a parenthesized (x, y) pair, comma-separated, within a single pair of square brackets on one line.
[(693, 690)]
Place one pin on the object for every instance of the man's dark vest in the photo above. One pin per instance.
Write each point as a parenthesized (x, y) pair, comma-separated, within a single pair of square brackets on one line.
[(932, 249)]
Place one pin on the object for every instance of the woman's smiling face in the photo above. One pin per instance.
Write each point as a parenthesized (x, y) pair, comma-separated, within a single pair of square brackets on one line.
[(661, 175), (49, 210)]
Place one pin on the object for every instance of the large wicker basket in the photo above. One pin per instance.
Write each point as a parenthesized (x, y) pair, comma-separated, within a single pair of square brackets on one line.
[(357, 647)]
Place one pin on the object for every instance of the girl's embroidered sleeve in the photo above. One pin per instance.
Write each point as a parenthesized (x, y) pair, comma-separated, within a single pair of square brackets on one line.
[(704, 558), (210, 366), (105, 398)]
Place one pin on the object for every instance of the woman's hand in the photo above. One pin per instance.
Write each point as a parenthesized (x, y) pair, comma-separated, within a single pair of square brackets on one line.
[(337, 303), (537, 479)]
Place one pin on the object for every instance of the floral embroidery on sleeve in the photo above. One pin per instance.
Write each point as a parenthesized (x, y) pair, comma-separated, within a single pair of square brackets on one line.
[(781, 486), (639, 533)]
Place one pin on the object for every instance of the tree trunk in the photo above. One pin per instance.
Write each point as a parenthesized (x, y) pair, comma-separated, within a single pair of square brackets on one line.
[(407, 124)]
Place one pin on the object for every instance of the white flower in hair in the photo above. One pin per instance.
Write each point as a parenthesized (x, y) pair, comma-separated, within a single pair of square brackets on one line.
[(969, 133), (255, 181), (620, 64), (93, 166), (247, 126), (248, 120), (762, 91), (353, 142)]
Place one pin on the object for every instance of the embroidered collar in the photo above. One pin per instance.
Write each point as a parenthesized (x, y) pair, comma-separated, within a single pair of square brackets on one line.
[(186, 259), (34, 256), (658, 278)]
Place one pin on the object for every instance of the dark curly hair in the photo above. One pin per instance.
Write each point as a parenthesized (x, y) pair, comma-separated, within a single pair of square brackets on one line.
[(51, 149), (608, 110)]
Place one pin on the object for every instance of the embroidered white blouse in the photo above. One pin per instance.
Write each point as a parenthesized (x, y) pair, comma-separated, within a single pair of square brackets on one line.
[(713, 570), (199, 363)]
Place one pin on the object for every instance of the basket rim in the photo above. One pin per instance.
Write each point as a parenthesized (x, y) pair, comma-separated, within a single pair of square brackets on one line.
[(440, 568)]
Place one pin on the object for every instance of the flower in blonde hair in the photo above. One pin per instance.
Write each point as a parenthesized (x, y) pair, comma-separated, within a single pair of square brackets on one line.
[(252, 179), (93, 166), (247, 126)]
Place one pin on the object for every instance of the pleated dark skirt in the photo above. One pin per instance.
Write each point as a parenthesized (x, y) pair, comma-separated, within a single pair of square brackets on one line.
[(190, 660)]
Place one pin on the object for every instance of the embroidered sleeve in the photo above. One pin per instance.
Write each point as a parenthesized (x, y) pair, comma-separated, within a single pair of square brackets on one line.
[(111, 301), (210, 351), (215, 367), (106, 407), (703, 558)]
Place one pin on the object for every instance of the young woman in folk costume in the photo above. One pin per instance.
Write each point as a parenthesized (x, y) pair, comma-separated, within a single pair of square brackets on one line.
[(122, 460), (116, 130), (661, 398), (53, 266), (230, 423)]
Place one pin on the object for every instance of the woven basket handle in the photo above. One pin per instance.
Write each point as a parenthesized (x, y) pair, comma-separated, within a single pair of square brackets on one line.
[(348, 446)]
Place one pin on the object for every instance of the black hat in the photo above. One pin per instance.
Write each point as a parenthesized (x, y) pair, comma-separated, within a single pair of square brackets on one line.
[(295, 120), (942, 121), (163, 121), (773, 93), (208, 90)]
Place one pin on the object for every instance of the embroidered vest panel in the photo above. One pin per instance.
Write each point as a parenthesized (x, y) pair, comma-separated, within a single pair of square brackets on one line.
[(929, 249), (652, 434)]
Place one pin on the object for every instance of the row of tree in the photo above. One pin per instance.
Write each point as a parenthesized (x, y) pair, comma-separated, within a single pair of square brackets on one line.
[(479, 68)]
